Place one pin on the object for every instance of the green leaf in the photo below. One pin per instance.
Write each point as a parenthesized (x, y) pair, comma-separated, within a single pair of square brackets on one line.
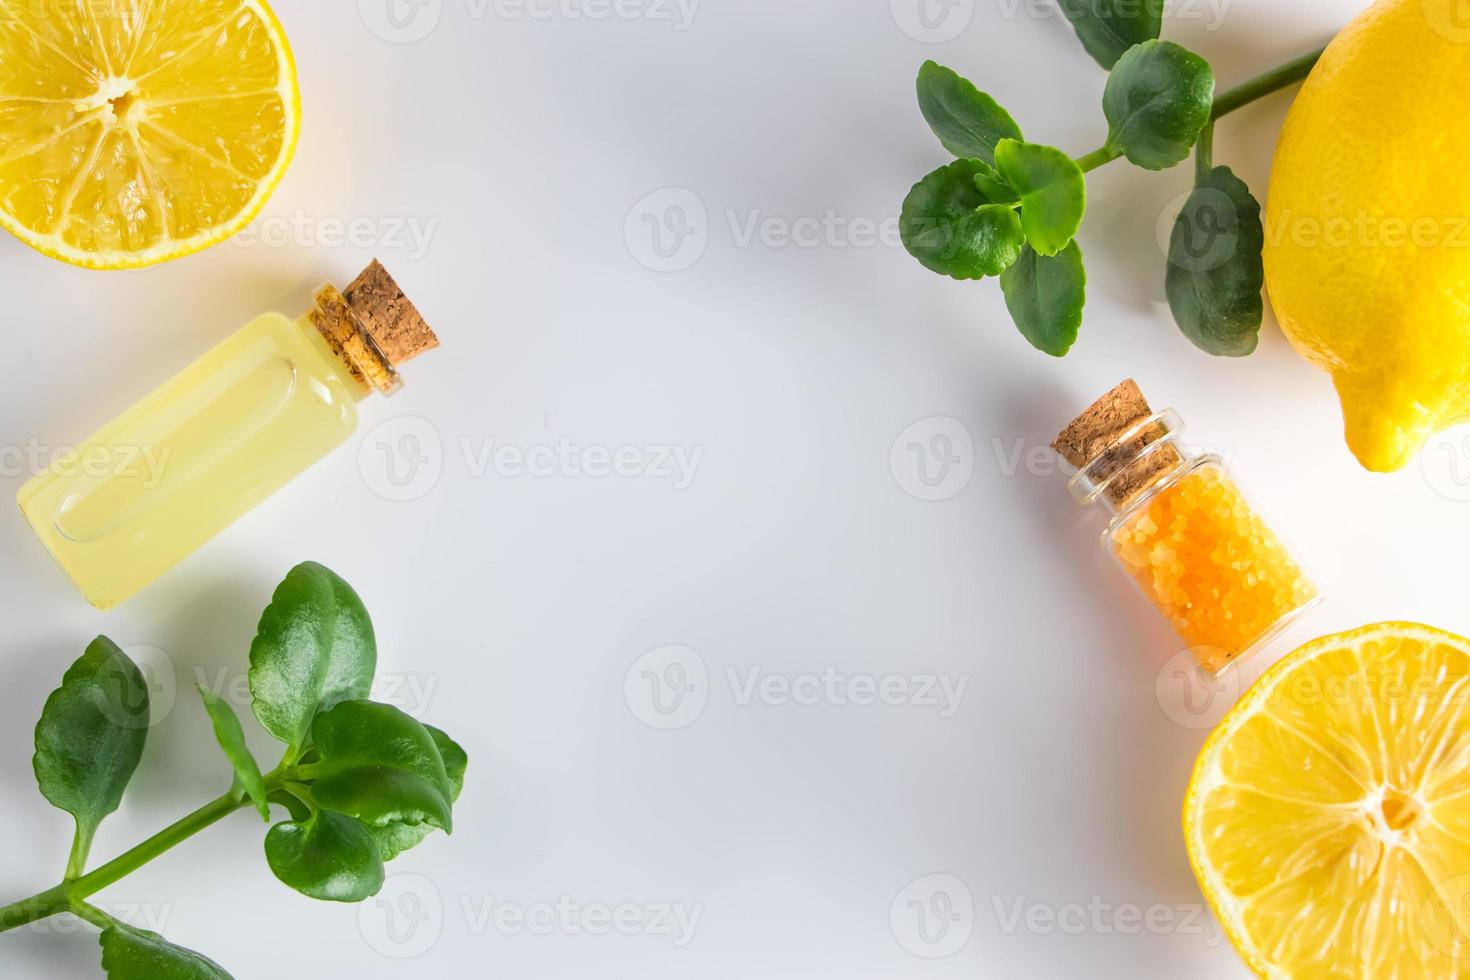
[(136, 954), (314, 649), (1108, 28), (299, 811), (992, 185), (1045, 296), (396, 838), (949, 226), (967, 121), (1215, 268), (1158, 99), (1053, 192), (380, 766), (330, 857), (231, 738), (90, 737)]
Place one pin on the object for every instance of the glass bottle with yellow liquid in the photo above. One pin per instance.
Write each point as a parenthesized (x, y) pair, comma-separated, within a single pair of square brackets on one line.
[(228, 431)]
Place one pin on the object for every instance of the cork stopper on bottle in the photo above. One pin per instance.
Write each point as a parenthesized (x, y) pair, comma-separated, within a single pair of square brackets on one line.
[(389, 317), (1110, 431), (373, 327)]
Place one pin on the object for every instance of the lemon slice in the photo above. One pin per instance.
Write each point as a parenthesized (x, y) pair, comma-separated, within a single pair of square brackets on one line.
[(137, 131), (1328, 819)]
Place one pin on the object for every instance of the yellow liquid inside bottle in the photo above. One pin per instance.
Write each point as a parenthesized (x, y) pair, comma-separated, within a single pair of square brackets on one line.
[(193, 457)]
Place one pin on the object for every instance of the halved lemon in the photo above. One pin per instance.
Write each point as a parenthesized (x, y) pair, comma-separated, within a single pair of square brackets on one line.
[(137, 131), (1328, 819)]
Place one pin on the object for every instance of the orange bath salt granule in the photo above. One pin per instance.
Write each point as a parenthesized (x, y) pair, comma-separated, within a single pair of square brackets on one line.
[(1211, 565)]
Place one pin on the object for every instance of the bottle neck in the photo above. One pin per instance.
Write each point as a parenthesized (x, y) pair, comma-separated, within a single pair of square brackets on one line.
[(1144, 459), (351, 343), (352, 383)]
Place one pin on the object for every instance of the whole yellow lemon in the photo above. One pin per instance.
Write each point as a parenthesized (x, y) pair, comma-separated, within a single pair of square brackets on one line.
[(1368, 225)]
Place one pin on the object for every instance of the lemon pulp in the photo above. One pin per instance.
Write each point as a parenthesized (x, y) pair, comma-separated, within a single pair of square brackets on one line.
[(1328, 819), (133, 132)]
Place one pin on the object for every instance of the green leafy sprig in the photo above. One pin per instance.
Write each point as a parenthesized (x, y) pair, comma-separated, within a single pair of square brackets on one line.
[(1012, 209), (360, 782)]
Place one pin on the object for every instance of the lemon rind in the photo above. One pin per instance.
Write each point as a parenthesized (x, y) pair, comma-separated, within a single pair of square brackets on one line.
[(1206, 776), (53, 246)]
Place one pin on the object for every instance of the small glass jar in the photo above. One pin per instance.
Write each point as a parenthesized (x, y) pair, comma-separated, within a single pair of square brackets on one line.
[(1188, 537)]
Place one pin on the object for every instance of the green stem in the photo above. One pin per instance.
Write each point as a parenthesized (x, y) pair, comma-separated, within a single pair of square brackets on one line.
[(125, 864), (1204, 154), (92, 914), (35, 908), (1263, 85), (1242, 95), (81, 845), (69, 894), (1097, 158)]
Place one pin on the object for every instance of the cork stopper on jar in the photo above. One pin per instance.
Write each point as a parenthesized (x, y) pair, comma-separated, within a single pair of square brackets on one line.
[(1111, 440), (373, 327)]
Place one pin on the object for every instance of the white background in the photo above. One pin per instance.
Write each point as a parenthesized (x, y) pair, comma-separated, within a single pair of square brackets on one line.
[(518, 604)]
